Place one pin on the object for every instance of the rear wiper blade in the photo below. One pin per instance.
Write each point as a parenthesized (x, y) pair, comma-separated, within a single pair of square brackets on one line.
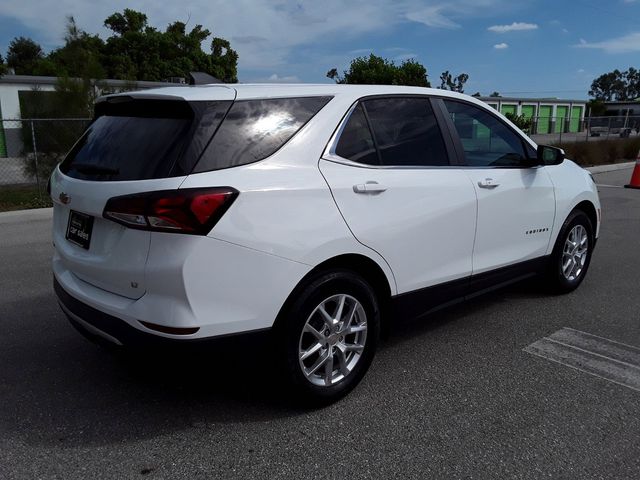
[(88, 168)]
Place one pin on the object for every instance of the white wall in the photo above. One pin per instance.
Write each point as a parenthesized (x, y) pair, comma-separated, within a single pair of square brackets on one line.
[(9, 103)]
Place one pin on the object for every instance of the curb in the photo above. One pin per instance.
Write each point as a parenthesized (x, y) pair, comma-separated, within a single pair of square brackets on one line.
[(611, 168), (22, 215)]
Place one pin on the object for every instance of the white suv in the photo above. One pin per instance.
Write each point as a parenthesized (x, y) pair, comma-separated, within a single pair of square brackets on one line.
[(316, 213)]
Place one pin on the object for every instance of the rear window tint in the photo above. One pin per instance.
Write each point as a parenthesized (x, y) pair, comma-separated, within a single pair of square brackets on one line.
[(255, 129), (143, 139)]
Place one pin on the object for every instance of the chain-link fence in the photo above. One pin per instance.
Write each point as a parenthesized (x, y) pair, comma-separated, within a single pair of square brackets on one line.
[(559, 130), (29, 150)]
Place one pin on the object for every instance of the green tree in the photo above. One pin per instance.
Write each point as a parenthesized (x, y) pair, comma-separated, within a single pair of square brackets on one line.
[(374, 70), (616, 85), (495, 95), (455, 84), (596, 108), (3, 66), (81, 55), (27, 58), (136, 51)]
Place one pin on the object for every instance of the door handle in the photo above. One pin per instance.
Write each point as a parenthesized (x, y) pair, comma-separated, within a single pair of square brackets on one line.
[(370, 187), (488, 183)]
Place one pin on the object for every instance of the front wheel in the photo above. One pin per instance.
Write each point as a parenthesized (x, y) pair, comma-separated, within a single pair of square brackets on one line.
[(329, 336), (571, 255)]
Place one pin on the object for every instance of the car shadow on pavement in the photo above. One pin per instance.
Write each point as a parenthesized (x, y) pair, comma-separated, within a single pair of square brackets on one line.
[(57, 388)]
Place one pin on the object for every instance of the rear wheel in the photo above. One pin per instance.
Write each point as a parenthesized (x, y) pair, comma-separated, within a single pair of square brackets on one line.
[(571, 255), (329, 336)]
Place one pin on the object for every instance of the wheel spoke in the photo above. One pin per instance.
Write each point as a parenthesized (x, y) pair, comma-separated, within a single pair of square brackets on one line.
[(310, 351), (328, 368), (322, 359), (353, 347), (343, 299), (342, 360), (311, 329), (328, 320), (355, 329)]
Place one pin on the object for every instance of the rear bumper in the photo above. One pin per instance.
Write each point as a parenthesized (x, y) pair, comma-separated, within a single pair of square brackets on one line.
[(103, 327)]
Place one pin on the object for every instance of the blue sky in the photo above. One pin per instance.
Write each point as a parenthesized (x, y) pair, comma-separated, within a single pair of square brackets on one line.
[(527, 48)]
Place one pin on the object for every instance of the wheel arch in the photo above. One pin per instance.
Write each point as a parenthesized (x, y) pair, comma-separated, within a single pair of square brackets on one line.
[(360, 264), (590, 210)]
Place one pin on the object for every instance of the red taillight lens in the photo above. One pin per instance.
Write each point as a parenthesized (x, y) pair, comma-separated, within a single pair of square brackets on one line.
[(192, 210)]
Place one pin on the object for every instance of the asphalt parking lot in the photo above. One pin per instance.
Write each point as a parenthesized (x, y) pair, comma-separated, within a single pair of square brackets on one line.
[(451, 397)]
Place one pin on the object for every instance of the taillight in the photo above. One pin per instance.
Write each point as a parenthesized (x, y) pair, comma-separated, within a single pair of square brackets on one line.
[(192, 210)]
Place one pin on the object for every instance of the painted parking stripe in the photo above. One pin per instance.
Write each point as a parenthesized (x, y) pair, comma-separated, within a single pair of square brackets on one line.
[(613, 361)]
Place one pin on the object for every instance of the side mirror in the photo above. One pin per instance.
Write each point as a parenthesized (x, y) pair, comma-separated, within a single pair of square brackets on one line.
[(550, 155)]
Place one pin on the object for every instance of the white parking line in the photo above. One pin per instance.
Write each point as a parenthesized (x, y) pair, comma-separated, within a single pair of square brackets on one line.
[(613, 361)]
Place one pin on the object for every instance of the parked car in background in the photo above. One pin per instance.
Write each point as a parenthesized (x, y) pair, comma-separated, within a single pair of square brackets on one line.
[(316, 213)]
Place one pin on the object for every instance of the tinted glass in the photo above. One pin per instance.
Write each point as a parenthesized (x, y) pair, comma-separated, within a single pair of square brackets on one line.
[(356, 141), (255, 129), (406, 132), (486, 140), (143, 139)]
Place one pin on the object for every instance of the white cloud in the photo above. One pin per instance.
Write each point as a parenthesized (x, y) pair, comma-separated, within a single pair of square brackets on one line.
[(501, 46), (514, 27), (625, 44), (432, 17), (275, 78)]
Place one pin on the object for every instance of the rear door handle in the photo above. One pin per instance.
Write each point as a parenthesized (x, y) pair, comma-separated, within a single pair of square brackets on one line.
[(488, 183), (369, 187)]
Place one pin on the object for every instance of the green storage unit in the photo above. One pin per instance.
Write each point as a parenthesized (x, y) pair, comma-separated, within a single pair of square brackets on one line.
[(528, 111), (544, 119), (493, 105), (576, 116), (562, 112), (509, 109)]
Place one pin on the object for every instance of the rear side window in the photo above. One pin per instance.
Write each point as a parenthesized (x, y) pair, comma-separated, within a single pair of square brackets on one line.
[(139, 139), (406, 132), (255, 129)]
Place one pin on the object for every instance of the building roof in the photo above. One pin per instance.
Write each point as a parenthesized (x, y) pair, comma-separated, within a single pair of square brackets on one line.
[(40, 80), (530, 100)]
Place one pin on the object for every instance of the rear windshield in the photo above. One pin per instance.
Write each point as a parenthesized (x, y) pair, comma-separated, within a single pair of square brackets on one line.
[(143, 139), (134, 139)]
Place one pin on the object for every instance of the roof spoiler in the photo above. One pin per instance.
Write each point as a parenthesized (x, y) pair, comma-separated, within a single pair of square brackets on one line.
[(201, 78)]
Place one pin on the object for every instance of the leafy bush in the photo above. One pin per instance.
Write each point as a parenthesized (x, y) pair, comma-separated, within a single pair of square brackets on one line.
[(602, 152), (520, 121)]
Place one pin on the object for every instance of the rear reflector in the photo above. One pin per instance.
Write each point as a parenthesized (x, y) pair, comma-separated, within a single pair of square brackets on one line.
[(170, 330), (192, 210)]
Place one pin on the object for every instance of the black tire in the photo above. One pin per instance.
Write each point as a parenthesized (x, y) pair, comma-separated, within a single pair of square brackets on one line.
[(555, 281), (306, 299)]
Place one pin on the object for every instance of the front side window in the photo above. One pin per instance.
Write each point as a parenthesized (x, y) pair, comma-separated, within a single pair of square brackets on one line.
[(486, 140)]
